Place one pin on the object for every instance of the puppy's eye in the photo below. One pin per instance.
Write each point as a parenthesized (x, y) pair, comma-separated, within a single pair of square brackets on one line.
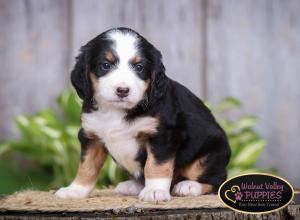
[(138, 67), (106, 66)]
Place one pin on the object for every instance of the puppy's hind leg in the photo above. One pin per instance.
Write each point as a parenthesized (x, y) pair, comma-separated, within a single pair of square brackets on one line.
[(129, 188), (191, 186), (205, 174)]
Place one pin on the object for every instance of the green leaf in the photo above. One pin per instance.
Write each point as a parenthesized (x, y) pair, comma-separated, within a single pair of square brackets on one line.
[(247, 135), (227, 104), (240, 139), (244, 122), (71, 105), (249, 155), (49, 140), (209, 105), (4, 147), (51, 118), (239, 171), (50, 132)]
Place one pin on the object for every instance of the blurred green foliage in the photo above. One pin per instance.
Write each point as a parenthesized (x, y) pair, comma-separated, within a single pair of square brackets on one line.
[(49, 143), (246, 144), (47, 154)]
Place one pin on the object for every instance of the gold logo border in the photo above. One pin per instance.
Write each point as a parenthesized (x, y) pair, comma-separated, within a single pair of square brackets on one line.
[(262, 174)]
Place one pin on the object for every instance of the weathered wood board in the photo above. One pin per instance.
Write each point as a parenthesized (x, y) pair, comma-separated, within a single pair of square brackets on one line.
[(33, 57), (253, 50), (249, 49), (164, 23), (105, 204)]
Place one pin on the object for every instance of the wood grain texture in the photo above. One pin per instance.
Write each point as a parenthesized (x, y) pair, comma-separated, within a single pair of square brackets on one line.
[(253, 50), (106, 204), (162, 22), (249, 49), (33, 59)]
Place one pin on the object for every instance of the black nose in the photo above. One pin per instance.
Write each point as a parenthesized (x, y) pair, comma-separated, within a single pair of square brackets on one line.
[(122, 92)]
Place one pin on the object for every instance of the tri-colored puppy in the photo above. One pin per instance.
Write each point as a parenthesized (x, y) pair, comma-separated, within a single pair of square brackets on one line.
[(153, 127)]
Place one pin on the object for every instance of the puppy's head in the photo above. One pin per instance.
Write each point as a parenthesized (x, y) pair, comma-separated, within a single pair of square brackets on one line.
[(119, 69)]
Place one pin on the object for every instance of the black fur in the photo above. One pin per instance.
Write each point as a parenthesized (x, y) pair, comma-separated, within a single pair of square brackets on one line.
[(84, 141), (187, 128)]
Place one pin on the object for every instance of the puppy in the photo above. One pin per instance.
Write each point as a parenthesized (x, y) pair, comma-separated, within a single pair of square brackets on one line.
[(153, 127)]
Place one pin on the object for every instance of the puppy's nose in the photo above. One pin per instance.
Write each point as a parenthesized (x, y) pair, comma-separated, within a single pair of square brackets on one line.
[(122, 92)]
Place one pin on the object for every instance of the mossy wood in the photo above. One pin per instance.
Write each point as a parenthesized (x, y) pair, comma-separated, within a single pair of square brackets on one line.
[(108, 205)]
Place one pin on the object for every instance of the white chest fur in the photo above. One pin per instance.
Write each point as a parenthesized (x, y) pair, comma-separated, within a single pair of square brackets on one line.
[(118, 135)]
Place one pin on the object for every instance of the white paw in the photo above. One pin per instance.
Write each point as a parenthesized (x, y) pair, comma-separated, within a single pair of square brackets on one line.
[(187, 188), (74, 191), (154, 195), (129, 187)]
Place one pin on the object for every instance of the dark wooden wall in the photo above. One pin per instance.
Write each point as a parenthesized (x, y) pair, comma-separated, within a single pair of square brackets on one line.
[(248, 49)]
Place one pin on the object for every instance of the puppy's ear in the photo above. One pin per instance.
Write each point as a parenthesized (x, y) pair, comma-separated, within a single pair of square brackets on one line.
[(158, 78), (79, 75)]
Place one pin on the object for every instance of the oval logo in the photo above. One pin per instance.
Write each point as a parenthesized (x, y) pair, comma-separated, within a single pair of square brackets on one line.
[(256, 193)]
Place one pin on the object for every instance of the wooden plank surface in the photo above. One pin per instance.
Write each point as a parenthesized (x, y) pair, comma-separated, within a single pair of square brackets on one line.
[(253, 54), (173, 27), (33, 59), (249, 49), (108, 205)]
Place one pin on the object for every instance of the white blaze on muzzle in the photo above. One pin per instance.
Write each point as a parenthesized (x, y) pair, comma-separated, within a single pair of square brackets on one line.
[(122, 75)]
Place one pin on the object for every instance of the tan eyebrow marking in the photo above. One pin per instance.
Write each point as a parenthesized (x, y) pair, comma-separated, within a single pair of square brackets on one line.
[(110, 56), (136, 59)]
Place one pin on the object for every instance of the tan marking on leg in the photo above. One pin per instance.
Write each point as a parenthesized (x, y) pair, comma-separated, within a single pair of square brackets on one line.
[(194, 170), (206, 188), (158, 177), (92, 163), (157, 170)]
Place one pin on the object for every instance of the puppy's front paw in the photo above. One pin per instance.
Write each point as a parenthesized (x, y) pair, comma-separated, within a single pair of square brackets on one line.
[(187, 188), (74, 191), (129, 187), (154, 195)]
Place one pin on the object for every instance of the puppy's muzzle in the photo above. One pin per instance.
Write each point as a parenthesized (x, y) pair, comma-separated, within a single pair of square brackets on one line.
[(122, 92)]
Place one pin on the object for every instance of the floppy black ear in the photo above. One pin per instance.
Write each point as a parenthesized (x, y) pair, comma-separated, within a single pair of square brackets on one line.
[(158, 78), (79, 75)]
